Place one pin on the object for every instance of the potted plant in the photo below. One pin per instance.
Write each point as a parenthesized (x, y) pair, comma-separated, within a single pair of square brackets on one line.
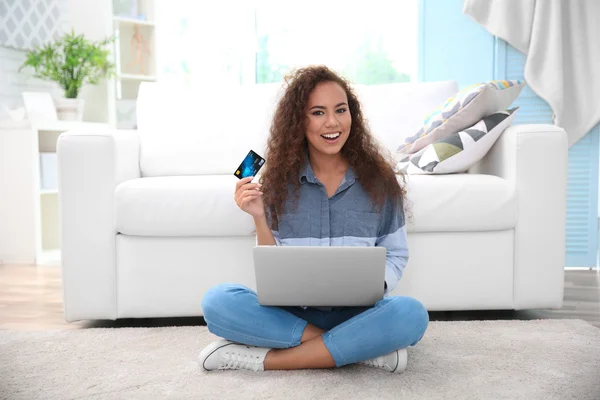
[(71, 61)]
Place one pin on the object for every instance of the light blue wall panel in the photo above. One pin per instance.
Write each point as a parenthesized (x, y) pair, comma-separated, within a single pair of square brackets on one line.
[(454, 47)]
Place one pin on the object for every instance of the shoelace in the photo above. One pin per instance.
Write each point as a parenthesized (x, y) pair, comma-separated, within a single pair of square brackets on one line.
[(241, 360), (374, 362)]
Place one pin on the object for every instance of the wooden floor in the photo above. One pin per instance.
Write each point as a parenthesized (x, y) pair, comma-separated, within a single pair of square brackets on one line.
[(31, 299)]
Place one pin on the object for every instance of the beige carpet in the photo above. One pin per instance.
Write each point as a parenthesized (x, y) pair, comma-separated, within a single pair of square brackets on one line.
[(546, 359)]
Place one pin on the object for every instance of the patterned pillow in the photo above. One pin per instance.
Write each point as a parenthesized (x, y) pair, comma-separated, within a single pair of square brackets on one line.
[(463, 110), (459, 151)]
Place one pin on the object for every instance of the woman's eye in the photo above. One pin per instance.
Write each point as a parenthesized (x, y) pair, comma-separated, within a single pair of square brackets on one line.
[(341, 110), (317, 113)]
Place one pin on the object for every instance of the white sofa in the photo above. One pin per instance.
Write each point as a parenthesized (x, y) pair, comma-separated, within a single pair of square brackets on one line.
[(149, 223)]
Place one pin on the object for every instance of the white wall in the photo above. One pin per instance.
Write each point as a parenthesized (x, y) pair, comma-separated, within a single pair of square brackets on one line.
[(12, 83)]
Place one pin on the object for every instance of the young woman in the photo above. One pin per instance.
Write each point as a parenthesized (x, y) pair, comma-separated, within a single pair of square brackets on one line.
[(325, 184)]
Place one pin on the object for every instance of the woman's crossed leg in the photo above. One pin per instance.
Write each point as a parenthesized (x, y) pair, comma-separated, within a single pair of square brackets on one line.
[(267, 338)]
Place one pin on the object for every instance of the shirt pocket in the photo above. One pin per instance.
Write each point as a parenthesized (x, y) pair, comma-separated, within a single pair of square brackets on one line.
[(361, 228), (294, 229)]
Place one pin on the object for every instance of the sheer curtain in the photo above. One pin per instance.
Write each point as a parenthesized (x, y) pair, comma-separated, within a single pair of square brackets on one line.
[(240, 42), (202, 42)]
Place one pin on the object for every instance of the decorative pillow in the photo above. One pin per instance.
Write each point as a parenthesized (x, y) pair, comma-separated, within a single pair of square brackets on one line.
[(459, 151), (463, 110)]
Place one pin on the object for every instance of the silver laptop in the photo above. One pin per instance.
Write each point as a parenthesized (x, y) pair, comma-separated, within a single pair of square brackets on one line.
[(319, 276)]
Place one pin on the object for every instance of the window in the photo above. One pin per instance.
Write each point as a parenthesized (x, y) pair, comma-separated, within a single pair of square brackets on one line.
[(261, 41)]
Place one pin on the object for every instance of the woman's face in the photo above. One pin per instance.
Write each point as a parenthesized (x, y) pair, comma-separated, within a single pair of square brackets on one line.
[(328, 118)]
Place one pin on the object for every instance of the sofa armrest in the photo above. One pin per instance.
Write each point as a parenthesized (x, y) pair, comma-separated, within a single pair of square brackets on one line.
[(90, 165), (534, 158)]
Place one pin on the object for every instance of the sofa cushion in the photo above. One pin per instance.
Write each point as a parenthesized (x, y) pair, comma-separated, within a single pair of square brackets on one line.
[(463, 110), (180, 206), (460, 202), (209, 130), (204, 205), (461, 150), (202, 130)]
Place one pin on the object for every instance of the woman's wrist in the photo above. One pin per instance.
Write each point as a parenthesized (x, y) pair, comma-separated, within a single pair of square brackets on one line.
[(260, 220), (263, 231)]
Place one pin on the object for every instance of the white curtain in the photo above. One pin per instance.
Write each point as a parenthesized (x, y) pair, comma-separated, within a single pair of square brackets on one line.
[(561, 40)]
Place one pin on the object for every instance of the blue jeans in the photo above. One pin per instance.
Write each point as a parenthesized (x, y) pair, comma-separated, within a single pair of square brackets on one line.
[(353, 334)]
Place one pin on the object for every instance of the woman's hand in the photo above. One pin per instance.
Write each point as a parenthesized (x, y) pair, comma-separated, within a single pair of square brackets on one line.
[(248, 197)]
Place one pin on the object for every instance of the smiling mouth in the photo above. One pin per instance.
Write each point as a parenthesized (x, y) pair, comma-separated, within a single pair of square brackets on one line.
[(331, 136)]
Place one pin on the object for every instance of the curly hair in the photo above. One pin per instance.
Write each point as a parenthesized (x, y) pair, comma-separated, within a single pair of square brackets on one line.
[(287, 146)]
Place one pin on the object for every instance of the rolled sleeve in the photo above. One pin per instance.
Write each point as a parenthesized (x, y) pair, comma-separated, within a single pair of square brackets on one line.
[(392, 236), (276, 237), (274, 232)]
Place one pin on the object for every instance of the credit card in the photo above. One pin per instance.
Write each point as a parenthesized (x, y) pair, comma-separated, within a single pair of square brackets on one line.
[(250, 166)]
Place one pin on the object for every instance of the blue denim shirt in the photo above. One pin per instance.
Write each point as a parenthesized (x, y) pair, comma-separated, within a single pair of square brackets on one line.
[(348, 218)]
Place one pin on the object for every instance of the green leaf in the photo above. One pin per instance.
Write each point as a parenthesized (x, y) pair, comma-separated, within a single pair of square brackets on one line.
[(71, 61)]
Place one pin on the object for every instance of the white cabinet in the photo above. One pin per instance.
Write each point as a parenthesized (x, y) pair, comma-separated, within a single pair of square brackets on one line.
[(29, 207), (132, 23), (134, 29)]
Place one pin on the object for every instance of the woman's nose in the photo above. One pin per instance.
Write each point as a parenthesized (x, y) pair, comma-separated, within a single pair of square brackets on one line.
[(331, 120)]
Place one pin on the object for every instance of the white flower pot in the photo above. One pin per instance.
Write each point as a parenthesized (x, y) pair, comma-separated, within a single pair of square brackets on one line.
[(69, 109)]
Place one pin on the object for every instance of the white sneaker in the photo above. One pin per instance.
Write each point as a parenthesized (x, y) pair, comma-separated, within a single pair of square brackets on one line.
[(395, 361), (224, 354)]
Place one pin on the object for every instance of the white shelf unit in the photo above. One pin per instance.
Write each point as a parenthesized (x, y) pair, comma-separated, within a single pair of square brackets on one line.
[(63, 126), (132, 21), (133, 77), (30, 233), (113, 100), (47, 215), (129, 71)]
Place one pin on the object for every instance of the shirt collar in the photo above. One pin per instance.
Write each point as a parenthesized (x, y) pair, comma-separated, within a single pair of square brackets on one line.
[(306, 173)]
